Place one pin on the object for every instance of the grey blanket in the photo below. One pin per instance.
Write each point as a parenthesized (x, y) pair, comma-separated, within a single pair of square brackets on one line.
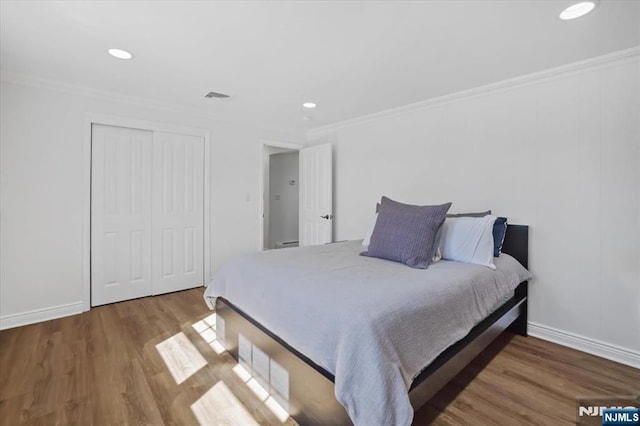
[(373, 323)]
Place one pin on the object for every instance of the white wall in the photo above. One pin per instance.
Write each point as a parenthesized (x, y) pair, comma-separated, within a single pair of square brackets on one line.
[(283, 198), (41, 192), (560, 154)]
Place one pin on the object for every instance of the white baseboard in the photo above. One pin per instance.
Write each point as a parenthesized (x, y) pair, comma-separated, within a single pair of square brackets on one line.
[(30, 317), (585, 344)]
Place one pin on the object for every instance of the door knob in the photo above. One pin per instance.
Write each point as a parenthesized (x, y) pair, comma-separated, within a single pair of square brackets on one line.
[(327, 216)]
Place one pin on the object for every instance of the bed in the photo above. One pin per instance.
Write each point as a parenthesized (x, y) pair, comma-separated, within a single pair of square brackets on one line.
[(380, 349)]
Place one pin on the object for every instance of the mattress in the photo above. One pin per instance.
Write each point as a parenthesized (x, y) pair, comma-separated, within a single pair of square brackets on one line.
[(374, 324)]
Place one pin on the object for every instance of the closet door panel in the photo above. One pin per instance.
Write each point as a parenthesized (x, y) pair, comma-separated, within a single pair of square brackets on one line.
[(120, 214), (178, 205)]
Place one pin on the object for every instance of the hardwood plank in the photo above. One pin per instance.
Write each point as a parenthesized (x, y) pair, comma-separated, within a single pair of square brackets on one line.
[(522, 380), (105, 367)]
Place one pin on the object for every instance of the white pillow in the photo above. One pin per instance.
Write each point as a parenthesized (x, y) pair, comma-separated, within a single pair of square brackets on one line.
[(367, 238), (468, 240)]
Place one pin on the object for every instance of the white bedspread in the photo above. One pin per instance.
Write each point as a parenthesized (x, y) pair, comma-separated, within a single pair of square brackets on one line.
[(374, 324)]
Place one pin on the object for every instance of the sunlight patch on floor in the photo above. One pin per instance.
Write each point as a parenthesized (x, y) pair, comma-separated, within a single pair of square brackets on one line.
[(262, 394), (267, 380), (200, 326), (205, 323), (219, 406), (207, 329), (242, 373), (276, 409), (181, 357)]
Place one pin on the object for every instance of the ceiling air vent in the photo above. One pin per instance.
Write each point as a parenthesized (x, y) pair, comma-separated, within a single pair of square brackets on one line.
[(216, 95)]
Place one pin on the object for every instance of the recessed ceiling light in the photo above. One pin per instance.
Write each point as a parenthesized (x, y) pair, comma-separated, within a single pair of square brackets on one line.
[(577, 10), (120, 54), (309, 105)]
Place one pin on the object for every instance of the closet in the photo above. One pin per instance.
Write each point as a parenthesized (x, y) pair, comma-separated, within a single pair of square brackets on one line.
[(147, 213)]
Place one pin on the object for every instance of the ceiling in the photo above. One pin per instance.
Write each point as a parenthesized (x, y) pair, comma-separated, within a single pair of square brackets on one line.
[(352, 58)]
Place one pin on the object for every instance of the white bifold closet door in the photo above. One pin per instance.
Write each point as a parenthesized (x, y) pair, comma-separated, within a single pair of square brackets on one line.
[(146, 213), (178, 212)]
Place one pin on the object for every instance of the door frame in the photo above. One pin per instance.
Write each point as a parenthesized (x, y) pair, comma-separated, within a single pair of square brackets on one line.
[(262, 144), (111, 120)]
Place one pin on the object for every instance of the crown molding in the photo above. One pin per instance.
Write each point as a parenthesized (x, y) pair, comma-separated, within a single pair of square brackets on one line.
[(104, 95), (615, 58), (72, 89)]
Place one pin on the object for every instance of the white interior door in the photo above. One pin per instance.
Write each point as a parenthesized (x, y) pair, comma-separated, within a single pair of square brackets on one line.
[(178, 214), (120, 214), (316, 195)]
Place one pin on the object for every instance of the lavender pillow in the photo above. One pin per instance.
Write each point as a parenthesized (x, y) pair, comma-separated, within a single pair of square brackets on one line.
[(406, 233)]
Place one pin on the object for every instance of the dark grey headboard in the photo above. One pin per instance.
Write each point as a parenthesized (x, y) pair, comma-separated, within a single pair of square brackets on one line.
[(516, 243)]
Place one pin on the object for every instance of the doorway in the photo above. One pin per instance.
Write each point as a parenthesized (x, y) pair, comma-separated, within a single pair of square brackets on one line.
[(281, 195), (279, 186), (314, 187)]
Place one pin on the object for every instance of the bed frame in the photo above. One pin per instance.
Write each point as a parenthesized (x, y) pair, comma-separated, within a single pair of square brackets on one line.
[(309, 393)]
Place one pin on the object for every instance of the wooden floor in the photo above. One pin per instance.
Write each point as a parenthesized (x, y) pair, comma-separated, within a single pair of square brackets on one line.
[(150, 361)]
